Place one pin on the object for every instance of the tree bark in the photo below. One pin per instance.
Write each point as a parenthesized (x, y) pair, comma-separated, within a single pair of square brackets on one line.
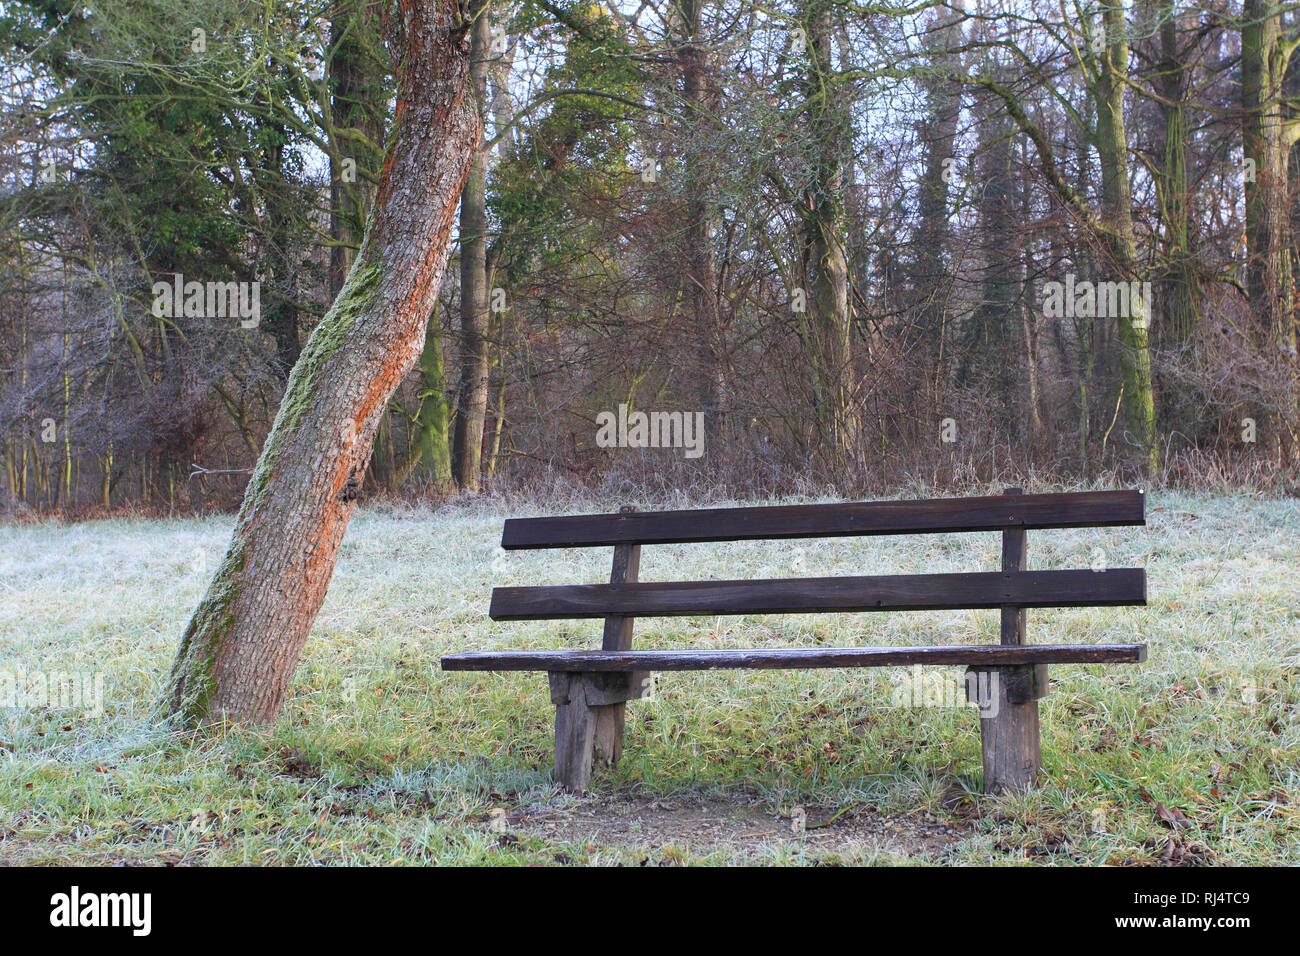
[(930, 281), (432, 447), (471, 411), (1268, 265), (1028, 315), (241, 647), (825, 228), (991, 350), (281, 275), (1267, 138), (1117, 214), (709, 387), (1085, 347), (357, 109), (1182, 289)]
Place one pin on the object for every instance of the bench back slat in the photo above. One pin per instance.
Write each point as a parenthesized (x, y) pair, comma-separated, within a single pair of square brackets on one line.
[(911, 592), (1088, 509)]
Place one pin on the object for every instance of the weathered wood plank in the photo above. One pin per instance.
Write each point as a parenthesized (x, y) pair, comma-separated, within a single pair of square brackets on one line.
[(610, 719), (1013, 561), (575, 728), (1009, 741), (604, 688), (794, 657), (1088, 509), (1117, 586)]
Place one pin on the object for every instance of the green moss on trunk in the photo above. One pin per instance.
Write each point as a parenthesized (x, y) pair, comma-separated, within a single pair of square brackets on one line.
[(356, 296), (192, 682), (193, 678)]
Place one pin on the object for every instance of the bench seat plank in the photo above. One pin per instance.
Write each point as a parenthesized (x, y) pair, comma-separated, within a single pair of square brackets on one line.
[(910, 592), (979, 655), (1085, 509)]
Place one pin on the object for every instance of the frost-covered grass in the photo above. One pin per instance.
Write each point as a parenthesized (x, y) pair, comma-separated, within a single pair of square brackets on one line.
[(382, 757)]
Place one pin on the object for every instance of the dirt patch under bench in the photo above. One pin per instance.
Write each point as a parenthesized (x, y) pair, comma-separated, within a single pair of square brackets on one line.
[(703, 825)]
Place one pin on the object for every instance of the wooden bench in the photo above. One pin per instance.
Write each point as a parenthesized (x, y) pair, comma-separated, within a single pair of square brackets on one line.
[(591, 687)]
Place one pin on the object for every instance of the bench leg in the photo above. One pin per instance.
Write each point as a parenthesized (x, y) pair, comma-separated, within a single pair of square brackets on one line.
[(608, 736), (575, 731), (1009, 735), (617, 636), (589, 720), (608, 741), (1009, 738)]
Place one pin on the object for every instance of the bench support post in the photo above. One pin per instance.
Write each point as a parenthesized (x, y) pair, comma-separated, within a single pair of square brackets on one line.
[(1009, 738), (608, 733), (579, 697), (575, 728)]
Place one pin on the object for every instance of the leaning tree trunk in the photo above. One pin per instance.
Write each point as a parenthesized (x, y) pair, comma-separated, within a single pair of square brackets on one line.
[(239, 652)]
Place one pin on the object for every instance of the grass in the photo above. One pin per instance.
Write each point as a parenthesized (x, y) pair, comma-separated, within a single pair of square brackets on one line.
[(380, 757)]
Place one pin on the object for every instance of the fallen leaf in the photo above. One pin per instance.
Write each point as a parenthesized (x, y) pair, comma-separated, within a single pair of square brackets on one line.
[(1175, 817)]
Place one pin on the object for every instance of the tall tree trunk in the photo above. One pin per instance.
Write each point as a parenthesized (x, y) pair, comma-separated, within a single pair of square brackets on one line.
[(992, 354), (282, 322), (1265, 143), (471, 412), (1181, 290), (930, 282), (1028, 314), (433, 442), (432, 446), (702, 220), (1267, 138), (1117, 215), (357, 113), (241, 647), (825, 258)]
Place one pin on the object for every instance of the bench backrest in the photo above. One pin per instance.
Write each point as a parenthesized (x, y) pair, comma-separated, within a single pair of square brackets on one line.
[(1011, 588), (1087, 509)]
